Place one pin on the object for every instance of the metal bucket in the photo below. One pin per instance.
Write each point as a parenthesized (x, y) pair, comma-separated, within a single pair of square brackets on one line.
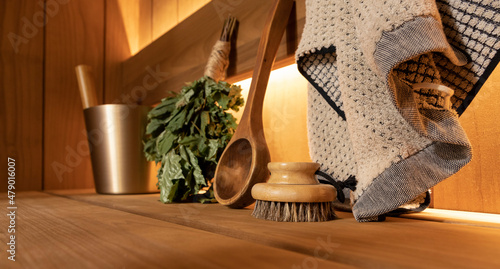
[(115, 135)]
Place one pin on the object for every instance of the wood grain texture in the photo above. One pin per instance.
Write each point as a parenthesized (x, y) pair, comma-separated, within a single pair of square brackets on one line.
[(73, 36), (60, 233), (186, 8), (395, 243), (180, 55), (128, 29), (144, 20), (477, 186), (21, 91), (164, 17)]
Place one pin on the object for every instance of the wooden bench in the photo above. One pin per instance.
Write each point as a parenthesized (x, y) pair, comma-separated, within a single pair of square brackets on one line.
[(79, 228)]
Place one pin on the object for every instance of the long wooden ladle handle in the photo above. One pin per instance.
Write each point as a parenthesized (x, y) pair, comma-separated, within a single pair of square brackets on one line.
[(269, 43), (86, 84), (244, 161)]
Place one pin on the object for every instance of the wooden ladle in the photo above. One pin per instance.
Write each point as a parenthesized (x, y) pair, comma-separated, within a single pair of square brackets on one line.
[(244, 161)]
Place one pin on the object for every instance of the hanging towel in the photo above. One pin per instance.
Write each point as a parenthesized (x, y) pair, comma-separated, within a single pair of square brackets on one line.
[(380, 122)]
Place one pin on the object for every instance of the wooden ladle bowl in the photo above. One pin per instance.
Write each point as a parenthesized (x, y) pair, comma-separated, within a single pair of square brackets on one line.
[(243, 166), (244, 161)]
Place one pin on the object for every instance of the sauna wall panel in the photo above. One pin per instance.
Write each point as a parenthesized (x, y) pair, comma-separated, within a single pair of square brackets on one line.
[(128, 29), (75, 35), (164, 17), (21, 92), (477, 186)]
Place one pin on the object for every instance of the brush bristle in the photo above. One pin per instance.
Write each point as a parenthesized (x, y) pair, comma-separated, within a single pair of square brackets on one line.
[(294, 212)]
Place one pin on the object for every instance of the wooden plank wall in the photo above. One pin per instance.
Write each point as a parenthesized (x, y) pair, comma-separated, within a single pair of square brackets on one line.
[(105, 33), (40, 111), (165, 16), (127, 30), (75, 35), (477, 186), (181, 54), (130, 26), (21, 91)]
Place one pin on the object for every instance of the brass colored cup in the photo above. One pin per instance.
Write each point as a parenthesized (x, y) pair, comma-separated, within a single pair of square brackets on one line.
[(115, 133)]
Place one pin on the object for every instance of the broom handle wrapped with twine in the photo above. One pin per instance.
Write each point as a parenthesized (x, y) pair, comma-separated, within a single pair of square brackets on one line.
[(218, 61)]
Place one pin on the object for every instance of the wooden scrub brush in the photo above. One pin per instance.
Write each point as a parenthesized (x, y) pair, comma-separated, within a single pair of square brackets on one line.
[(293, 194)]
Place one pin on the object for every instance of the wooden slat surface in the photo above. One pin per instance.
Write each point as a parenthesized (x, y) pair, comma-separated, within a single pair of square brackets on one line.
[(164, 16), (55, 232), (73, 36), (186, 8), (21, 91), (395, 243), (180, 55), (168, 13), (128, 29), (477, 186)]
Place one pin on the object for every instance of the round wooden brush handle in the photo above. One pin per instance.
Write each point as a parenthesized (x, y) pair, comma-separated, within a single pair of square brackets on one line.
[(294, 193), (293, 182), (86, 84), (293, 173)]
